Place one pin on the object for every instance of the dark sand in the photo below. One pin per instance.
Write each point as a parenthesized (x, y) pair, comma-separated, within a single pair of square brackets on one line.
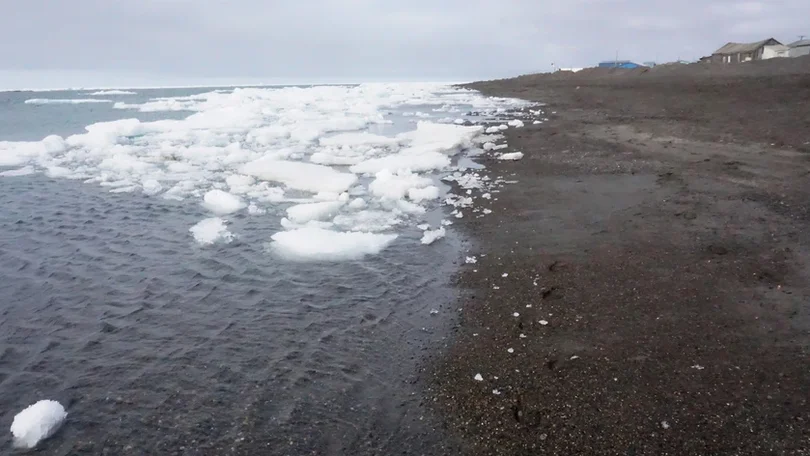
[(663, 217)]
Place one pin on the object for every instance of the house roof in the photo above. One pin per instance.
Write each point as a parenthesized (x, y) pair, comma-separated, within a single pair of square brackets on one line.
[(736, 48), (800, 43)]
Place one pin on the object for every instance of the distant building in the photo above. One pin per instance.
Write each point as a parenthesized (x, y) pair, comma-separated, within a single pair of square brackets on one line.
[(774, 51), (799, 48), (619, 64), (742, 52), (649, 64)]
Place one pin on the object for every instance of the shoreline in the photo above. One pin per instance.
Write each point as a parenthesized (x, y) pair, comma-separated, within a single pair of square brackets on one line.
[(658, 232)]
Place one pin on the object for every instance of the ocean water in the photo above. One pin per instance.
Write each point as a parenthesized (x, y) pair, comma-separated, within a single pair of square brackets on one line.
[(231, 271)]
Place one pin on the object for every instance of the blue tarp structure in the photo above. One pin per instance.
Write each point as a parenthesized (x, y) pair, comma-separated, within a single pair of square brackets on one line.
[(619, 64)]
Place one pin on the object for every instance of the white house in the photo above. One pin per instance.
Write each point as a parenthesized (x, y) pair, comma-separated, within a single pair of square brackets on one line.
[(799, 48), (775, 50)]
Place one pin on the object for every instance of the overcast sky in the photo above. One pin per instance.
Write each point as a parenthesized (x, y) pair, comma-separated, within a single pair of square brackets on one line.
[(136, 42)]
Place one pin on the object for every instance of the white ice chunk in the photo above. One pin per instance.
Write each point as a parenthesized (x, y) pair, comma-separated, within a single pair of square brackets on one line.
[(253, 209), (431, 236), (303, 213), (300, 176), (392, 186), (211, 230), (478, 378), (222, 203), (151, 187), (37, 422), (511, 156), (317, 244), (517, 123), (24, 171), (357, 203)]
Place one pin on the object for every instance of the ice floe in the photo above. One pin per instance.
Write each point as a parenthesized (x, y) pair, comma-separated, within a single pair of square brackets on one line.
[(211, 230), (318, 244), (37, 422)]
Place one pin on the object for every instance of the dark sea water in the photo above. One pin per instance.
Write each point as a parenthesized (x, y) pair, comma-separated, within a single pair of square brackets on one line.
[(156, 345)]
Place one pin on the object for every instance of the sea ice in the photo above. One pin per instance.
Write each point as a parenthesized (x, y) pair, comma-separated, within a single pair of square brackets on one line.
[(517, 123), (222, 203), (511, 156), (43, 101), (431, 236), (24, 171), (111, 92), (478, 378), (303, 213), (300, 176), (37, 422), (211, 230), (317, 244)]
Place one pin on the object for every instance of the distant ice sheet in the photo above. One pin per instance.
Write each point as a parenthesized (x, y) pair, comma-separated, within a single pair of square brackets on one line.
[(44, 101), (112, 92)]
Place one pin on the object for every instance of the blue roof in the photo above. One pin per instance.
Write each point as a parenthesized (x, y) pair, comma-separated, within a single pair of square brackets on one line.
[(619, 64)]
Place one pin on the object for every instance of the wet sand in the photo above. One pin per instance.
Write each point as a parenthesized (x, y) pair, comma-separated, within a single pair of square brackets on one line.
[(658, 257)]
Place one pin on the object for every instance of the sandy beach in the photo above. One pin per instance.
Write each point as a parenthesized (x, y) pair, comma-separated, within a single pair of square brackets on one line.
[(643, 288)]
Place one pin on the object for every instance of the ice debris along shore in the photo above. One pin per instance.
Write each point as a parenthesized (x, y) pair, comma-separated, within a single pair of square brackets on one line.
[(37, 422), (309, 156)]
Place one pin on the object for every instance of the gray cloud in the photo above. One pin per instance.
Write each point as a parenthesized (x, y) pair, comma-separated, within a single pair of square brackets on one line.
[(373, 39)]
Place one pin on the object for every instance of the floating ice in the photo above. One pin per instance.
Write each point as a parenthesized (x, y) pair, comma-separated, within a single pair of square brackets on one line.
[(275, 145), (37, 422), (24, 171), (211, 230), (303, 213), (517, 123), (112, 92), (511, 156), (432, 236), (43, 101), (222, 203), (300, 176), (318, 244)]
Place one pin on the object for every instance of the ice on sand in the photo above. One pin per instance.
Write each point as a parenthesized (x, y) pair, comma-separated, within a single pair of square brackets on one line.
[(432, 236), (222, 203), (318, 244), (511, 156), (37, 422), (211, 230)]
